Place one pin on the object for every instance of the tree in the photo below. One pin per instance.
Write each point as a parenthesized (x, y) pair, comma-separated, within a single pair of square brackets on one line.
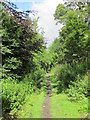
[(19, 41), (80, 7), (74, 32)]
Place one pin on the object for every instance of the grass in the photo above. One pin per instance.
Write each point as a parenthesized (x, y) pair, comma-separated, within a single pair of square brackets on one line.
[(61, 107), (33, 106)]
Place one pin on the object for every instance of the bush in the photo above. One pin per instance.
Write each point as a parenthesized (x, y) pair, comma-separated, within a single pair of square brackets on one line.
[(37, 78), (65, 74), (79, 89), (14, 95), (15, 92), (73, 80)]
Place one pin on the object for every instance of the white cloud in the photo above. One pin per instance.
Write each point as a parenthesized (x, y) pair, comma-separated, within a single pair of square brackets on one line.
[(46, 9)]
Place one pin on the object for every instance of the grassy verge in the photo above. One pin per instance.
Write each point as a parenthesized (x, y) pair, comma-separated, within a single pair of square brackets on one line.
[(61, 107), (33, 106)]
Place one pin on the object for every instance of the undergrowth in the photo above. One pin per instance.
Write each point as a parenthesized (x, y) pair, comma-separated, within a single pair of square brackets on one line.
[(16, 93), (73, 81)]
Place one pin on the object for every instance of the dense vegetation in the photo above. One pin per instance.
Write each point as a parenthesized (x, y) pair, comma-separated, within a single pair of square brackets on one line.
[(23, 74), (70, 50), (26, 60)]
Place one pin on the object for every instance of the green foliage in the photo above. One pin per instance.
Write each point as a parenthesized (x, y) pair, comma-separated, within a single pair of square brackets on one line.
[(14, 95), (37, 78), (79, 91), (79, 7), (60, 13), (22, 71), (71, 51), (63, 75), (43, 59), (73, 81), (26, 61), (56, 52), (76, 38), (17, 46), (73, 37)]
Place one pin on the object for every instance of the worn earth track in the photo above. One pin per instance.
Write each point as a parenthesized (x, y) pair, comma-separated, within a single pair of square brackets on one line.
[(46, 105)]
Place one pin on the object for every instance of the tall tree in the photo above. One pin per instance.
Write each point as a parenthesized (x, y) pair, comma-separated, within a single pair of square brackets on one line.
[(74, 33), (19, 41)]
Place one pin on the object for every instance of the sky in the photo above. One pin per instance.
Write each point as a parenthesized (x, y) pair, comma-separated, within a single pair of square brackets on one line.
[(46, 9)]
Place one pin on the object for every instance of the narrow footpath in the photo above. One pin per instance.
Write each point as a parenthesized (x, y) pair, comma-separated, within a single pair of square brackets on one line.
[(46, 105)]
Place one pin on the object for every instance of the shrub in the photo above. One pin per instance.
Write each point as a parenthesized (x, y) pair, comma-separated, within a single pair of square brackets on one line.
[(14, 95), (78, 90), (65, 74), (15, 92)]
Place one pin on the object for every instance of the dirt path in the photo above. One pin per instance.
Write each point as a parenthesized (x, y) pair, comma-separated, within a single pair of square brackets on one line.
[(46, 104)]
